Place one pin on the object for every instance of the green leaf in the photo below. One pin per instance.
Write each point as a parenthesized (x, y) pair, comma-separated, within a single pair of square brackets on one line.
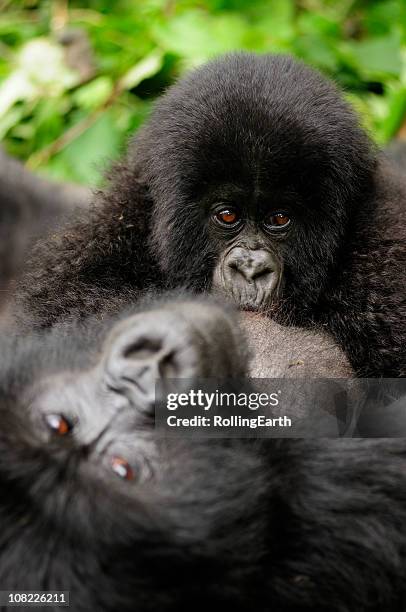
[(396, 113), (146, 68), (10, 119), (317, 51), (197, 36), (277, 18), (376, 58), (93, 94), (381, 17), (88, 155)]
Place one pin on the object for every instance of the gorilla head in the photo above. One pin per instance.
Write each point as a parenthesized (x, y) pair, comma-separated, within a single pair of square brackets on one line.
[(253, 164), (92, 500)]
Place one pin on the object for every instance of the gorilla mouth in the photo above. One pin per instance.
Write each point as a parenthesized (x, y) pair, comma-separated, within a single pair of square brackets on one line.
[(253, 296), (251, 289)]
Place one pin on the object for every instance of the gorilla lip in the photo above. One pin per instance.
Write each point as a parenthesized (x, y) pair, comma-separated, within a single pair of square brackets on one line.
[(252, 294)]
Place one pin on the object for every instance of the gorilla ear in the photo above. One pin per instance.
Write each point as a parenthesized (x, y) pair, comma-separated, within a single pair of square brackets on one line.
[(133, 362), (183, 341), (144, 348)]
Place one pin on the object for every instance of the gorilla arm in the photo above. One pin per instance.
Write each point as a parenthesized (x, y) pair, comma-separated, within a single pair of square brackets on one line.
[(97, 265)]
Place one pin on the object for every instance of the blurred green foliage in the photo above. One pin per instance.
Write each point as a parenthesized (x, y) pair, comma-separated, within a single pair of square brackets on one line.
[(76, 78)]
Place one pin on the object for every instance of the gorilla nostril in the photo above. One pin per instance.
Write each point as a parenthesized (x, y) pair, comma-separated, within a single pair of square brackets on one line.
[(261, 273), (238, 271), (143, 348), (252, 271)]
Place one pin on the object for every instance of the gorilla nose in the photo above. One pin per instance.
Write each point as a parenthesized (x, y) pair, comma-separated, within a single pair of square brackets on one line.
[(251, 264)]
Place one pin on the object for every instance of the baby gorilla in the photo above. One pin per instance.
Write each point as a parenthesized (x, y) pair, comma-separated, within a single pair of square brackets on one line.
[(252, 178), (94, 502)]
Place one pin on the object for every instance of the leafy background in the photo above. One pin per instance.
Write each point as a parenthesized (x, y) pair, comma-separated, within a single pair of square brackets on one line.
[(76, 78)]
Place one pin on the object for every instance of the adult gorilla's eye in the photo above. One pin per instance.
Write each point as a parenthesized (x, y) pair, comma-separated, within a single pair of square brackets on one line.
[(227, 216), (277, 220), (122, 468), (58, 424)]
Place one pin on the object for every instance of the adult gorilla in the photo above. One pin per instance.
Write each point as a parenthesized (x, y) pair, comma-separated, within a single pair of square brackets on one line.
[(252, 178), (94, 502), (30, 207)]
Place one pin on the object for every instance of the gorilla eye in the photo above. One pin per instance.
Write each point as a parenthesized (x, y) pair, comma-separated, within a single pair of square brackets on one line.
[(58, 424), (277, 220), (122, 468), (227, 216)]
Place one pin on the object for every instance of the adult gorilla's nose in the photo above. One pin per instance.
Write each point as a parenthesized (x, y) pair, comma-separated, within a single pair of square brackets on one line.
[(251, 264)]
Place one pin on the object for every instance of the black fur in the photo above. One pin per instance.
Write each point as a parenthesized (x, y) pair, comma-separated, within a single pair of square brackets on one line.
[(30, 207), (267, 123), (283, 525)]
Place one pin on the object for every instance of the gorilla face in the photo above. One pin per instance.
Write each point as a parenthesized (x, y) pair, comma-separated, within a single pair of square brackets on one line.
[(107, 410), (250, 268), (92, 500), (255, 166)]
